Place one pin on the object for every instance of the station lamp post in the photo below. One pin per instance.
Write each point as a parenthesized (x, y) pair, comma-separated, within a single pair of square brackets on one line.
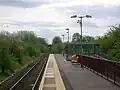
[(68, 33), (63, 44), (63, 38), (67, 29), (80, 23)]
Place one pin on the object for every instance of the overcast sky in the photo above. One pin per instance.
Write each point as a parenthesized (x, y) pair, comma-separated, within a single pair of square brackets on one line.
[(49, 18)]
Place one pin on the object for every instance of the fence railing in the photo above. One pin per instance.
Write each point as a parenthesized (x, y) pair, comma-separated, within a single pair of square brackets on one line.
[(108, 69)]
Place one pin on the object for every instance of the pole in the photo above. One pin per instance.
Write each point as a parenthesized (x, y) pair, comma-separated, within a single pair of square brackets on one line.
[(81, 32), (67, 44), (63, 45), (68, 35), (63, 38)]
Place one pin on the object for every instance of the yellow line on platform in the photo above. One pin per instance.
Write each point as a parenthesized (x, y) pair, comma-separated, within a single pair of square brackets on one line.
[(51, 79), (58, 79)]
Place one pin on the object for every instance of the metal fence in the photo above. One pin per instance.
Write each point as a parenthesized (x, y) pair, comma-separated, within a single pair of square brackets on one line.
[(106, 68)]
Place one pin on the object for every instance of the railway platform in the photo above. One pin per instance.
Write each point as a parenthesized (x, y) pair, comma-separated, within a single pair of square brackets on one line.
[(51, 79), (77, 78), (61, 74)]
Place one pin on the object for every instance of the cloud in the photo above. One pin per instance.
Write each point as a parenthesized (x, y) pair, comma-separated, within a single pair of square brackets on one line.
[(47, 33), (37, 24), (42, 29), (97, 11), (54, 3), (102, 16), (23, 24), (23, 3), (85, 23), (52, 19)]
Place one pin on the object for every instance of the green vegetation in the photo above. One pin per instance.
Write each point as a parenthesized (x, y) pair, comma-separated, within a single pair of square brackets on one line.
[(88, 44), (57, 45), (18, 49), (56, 40), (110, 42), (76, 38)]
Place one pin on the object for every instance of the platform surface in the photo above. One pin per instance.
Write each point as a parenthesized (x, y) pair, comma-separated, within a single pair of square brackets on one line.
[(75, 78), (51, 78)]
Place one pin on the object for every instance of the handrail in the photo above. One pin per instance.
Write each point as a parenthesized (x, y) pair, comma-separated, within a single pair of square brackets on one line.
[(106, 68)]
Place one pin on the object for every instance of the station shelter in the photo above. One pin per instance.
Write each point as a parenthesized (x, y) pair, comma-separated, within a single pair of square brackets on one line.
[(88, 48)]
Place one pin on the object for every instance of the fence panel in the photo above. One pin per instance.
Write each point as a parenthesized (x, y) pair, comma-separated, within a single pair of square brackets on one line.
[(107, 68)]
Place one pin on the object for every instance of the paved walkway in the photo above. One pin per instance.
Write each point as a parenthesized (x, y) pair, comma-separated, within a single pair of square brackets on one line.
[(75, 78)]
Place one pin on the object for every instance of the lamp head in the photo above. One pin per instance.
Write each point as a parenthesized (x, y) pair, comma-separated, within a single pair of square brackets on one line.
[(88, 16), (74, 16), (67, 29)]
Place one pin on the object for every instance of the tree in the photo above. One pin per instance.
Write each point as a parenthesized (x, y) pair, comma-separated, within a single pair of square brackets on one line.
[(56, 40), (110, 42), (85, 38), (76, 37), (57, 48), (17, 48), (88, 38), (43, 41), (57, 45)]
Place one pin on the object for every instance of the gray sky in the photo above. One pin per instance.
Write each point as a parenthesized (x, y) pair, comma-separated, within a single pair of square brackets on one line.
[(48, 18)]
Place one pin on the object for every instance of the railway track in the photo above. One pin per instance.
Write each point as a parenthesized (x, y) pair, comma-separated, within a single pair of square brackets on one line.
[(30, 80)]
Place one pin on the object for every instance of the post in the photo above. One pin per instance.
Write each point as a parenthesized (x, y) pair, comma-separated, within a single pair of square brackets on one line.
[(68, 36), (67, 43), (63, 38), (81, 33), (63, 45)]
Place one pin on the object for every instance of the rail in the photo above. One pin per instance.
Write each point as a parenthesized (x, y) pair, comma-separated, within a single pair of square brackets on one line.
[(38, 80), (14, 78), (29, 79)]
